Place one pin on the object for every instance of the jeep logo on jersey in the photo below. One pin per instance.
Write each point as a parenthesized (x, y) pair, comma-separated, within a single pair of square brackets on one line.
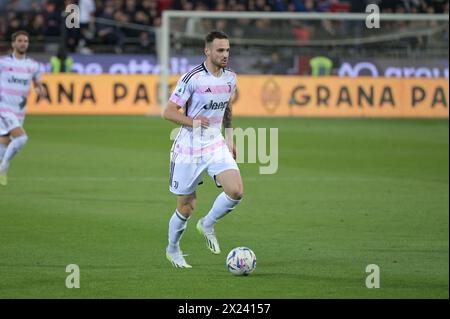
[(15, 80), (215, 105)]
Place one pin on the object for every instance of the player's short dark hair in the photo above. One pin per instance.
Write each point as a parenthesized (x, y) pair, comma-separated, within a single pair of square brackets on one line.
[(215, 34), (17, 33)]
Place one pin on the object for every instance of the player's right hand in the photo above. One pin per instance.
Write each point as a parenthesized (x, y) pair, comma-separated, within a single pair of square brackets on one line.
[(202, 121)]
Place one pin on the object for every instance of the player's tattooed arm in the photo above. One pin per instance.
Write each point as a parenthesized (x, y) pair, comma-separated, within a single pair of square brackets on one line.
[(228, 117)]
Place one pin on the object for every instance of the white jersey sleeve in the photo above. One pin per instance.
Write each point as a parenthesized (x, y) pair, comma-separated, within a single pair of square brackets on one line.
[(182, 93)]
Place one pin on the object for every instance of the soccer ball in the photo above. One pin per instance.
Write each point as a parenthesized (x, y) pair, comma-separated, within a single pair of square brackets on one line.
[(241, 261)]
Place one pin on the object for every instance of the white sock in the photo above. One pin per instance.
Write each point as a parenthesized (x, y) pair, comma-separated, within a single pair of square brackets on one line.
[(2, 150), (177, 226), (222, 206), (13, 148)]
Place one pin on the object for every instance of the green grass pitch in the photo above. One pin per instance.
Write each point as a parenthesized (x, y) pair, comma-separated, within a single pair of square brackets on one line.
[(93, 191)]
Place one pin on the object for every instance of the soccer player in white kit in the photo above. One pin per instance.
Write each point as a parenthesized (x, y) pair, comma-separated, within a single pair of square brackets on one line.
[(204, 94), (17, 71)]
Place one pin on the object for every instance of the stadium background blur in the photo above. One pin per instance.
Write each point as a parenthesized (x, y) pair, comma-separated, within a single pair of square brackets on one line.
[(131, 27)]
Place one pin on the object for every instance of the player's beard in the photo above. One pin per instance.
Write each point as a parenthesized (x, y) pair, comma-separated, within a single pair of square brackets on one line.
[(21, 51), (221, 63)]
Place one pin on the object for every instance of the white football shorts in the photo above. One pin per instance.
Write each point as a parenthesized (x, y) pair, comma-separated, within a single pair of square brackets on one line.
[(186, 171), (8, 122)]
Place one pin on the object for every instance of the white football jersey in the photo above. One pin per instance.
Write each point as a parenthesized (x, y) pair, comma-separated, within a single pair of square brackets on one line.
[(16, 76), (200, 93)]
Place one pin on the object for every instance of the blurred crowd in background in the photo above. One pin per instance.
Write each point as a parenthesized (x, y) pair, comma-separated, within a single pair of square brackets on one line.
[(107, 22), (290, 46)]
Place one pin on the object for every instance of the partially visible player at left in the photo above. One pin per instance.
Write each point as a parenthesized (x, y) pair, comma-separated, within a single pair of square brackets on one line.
[(17, 71)]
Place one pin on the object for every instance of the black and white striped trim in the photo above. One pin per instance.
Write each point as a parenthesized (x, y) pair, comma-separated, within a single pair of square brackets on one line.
[(172, 168), (180, 216), (194, 71)]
